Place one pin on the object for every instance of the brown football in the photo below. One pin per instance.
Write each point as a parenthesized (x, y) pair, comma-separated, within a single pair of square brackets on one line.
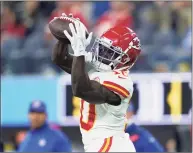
[(59, 24)]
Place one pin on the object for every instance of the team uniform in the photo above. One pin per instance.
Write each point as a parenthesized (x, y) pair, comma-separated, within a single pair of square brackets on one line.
[(102, 125)]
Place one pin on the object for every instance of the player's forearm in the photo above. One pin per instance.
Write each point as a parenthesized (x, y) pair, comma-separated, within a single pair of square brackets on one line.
[(61, 58), (64, 64), (79, 76), (90, 90), (66, 69)]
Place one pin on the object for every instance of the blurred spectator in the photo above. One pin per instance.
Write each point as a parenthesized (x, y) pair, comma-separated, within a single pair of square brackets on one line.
[(1, 146), (11, 25), (120, 13), (181, 20), (41, 137), (175, 142), (46, 7), (161, 67), (183, 63), (183, 137), (142, 139), (171, 145), (17, 139), (173, 18), (163, 28), (20, 137), (32, 17), (183, 67), (145, 22), (187, 41)]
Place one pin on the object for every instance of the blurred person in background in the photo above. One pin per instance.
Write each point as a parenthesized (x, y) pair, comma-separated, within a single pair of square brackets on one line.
[(11, 24), (22, 18), (181, 16), (161, 67), (41, 137), (187, 41), (17, 139), (27, 44), (32, 17), (119, 14), (173, 18), (171, 145), (166, 25), (1, 146), (12, 32), (142, 139), (22, 49)]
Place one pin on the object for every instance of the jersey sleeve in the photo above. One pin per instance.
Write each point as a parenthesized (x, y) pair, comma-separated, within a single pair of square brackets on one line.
[(119, 85)]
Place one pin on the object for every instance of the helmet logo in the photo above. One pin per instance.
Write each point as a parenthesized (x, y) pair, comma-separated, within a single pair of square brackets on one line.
[(135, 43)]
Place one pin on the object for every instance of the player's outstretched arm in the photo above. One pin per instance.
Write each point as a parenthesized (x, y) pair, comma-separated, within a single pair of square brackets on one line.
[(61, 57), (82, 87), (90, 90)]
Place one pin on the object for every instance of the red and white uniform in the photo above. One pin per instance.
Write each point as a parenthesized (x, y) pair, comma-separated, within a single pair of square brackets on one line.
[(102, 125)]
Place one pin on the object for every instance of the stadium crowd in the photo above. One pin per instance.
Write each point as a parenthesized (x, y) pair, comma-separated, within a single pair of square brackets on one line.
[(163, 27)]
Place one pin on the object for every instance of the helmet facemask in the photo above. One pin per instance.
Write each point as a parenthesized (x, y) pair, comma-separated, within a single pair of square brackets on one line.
[(106, 57)]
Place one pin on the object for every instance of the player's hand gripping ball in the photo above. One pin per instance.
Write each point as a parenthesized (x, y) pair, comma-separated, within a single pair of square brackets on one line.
[(59, 24), (78, 39)]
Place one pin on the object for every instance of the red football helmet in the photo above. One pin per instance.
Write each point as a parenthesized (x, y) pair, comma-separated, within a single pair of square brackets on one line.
[(117, 49)]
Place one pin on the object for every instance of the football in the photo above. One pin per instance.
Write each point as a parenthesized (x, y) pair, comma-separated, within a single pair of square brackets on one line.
[(59, 24)]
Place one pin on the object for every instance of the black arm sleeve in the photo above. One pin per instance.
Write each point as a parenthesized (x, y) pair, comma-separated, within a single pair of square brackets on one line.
[(90, 90), (61, 57)]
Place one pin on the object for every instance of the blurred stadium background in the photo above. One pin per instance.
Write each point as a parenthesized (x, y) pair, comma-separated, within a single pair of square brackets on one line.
[(27, 72)]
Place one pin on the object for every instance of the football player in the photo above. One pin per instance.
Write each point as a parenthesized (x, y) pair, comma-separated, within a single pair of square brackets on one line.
[(106, 90)]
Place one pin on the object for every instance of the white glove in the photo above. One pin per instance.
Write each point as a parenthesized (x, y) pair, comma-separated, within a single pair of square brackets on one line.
[(78, 40)]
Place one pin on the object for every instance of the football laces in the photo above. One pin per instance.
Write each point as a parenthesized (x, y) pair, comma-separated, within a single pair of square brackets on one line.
[(67, 18)]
